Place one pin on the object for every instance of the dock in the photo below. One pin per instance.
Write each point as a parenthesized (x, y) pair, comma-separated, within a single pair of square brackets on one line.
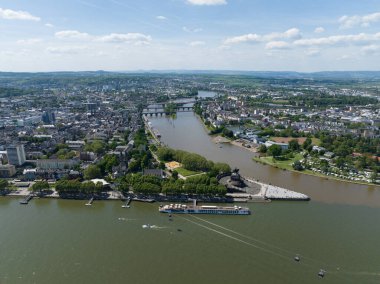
[(143, 200), (89, 203), (127, 203), (26, 199)]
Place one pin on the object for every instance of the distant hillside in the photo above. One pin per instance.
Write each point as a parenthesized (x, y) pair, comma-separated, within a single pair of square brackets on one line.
[(339, 75)]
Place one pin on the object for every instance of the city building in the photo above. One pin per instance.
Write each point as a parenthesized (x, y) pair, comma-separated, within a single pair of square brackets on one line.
[(16, 155), (7, 171), (55, 164), (48, 117)]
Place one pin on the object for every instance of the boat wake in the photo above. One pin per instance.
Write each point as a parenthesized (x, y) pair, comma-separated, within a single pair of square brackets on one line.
[(154, 227), (275, 250), (125, 219)]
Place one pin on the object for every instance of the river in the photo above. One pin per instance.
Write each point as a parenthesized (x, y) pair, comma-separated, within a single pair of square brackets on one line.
[(186, 132), (64, 241)]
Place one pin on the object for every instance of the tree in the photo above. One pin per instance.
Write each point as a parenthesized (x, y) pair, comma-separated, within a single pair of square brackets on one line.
[(97, 147), (3, 184), (263, 148), (134, 166), (307, 143), (92, 171), (40, 186), (293, 145), (228, 133), (274, 150), (219, 168), (175, 174), (165, 154), (340, 162), (297, 166)]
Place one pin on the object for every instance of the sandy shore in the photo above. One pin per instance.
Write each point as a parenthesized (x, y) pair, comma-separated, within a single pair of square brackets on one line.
[(239, 143)]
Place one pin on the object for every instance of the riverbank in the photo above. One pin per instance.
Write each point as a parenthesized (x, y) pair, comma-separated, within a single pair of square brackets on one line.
[(286, 167), (243, 144)]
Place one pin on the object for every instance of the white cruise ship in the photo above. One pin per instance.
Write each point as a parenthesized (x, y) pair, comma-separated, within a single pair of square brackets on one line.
[(204, 209)]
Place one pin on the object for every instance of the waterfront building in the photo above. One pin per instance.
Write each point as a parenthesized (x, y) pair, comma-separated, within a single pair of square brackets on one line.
[(16, 155), (30, 174), (284, 146), (7, 171)]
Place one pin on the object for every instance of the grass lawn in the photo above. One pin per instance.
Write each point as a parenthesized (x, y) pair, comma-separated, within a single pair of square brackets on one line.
[(287, 164), (186, 173)]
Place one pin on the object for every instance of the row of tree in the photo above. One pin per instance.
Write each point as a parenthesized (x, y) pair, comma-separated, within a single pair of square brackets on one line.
[(202, 184), (75, 186), (191, 161)]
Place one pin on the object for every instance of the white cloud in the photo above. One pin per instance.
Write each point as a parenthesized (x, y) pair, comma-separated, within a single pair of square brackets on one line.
[(17, 15), (371, 49), (207, 2), (197, 43), (361, 38), (162, 18), (189, 30), (292, 33), (29, 41), (135, 38), (277, 45), (347, 22), (319, 30), (66, 49), (243, 38), (312, 52), (49, 25), (72, 34)]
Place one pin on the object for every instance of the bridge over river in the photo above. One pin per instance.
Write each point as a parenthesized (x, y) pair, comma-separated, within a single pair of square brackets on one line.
[(175, 106)]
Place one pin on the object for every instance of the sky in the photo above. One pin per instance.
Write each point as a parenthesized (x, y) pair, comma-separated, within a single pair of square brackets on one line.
[(134, 35)]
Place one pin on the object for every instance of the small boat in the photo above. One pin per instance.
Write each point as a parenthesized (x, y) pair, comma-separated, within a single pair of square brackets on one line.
[(297, 258), (170, 215), (321, 273), (146, 226), (125, 206)]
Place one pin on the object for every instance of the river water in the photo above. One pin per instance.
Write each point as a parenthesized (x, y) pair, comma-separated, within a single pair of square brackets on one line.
[(187, 132), (62, 241)]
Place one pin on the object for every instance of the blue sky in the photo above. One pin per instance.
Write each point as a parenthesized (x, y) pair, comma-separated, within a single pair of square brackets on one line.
[(278, 35)]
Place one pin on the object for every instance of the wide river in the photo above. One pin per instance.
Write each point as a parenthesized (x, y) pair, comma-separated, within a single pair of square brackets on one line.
[(61, 241)]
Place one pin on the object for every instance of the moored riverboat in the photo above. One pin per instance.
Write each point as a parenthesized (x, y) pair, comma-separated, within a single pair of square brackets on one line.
[(204, 209)]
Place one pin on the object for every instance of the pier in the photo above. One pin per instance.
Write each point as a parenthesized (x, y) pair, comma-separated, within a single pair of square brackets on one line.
[(127, 203), (26, 199), (89, 203)]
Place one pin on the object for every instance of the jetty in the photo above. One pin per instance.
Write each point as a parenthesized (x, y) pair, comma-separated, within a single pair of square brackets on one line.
[(148, 200), (26, 199), (127, 203), (89, 203)]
